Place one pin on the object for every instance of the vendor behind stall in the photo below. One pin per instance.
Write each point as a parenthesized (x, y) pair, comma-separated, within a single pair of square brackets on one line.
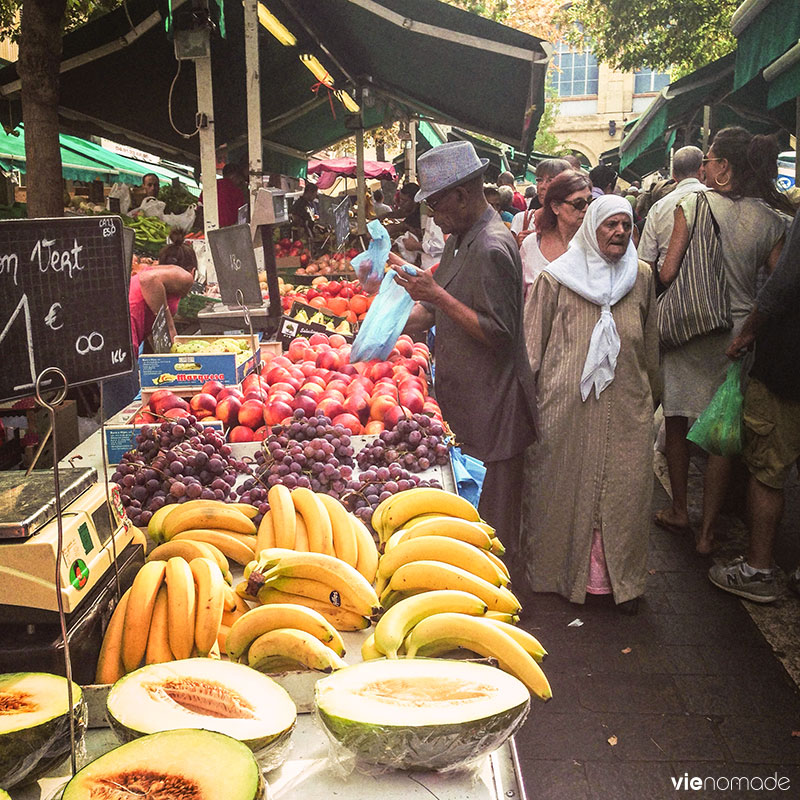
[(150, 289), (231, 195), (302, 211)]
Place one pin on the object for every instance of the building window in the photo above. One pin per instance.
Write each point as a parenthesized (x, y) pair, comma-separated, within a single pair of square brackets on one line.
[(647, 82), (574, 72)]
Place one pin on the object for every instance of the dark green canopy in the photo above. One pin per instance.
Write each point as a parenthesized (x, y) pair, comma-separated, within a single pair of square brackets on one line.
[(415, 56)]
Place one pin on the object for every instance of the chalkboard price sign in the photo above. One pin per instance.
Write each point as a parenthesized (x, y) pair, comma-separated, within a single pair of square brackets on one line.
[(63, 302), (235, 264), (160, 335)]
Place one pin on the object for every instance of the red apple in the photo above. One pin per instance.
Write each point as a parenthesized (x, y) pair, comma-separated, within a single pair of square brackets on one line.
[(330, 406), (358, 405), (228, 410), (241, 433), (251, 413), (318, 338), (276, 411), (212, 387), (230, 391), (348, 421)]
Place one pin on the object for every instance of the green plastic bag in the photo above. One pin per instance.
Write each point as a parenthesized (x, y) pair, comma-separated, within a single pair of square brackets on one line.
[(718, 430)]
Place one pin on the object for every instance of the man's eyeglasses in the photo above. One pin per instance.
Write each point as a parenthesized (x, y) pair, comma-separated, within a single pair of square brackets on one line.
[(434, 202), (579, 204), (707, 159)]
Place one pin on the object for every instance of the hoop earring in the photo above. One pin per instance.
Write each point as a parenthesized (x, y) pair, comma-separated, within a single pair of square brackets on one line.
[(723, 184)]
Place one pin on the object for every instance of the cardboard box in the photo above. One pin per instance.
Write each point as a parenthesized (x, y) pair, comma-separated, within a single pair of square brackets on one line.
[(121, 434), (288, 262), (269, 350), (192, 370)]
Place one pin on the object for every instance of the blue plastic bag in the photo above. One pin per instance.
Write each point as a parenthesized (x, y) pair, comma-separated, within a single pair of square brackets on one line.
[(469, 473), (385, 320), (370, 264)]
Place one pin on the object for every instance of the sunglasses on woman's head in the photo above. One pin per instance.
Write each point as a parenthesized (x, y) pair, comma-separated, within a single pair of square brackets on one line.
[(578, 204)]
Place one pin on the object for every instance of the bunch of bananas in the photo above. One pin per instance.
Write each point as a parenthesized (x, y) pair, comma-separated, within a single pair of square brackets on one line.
[(308, 522), (226, 527), (283, 636), (173, 610), (324, 583), (439, 622)]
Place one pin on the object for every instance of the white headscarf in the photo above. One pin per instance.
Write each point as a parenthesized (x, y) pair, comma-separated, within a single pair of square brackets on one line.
[(585, 270)]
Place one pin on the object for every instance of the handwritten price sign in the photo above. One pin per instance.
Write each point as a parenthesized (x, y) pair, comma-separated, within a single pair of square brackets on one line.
[(63, 301)]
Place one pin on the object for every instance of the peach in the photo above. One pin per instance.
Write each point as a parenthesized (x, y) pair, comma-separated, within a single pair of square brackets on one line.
[(277, 374), (362, 381), (334, 393), (373, 427), (389, 390), (305, 401), (318, 338), (348, 421), (404, 345), (284, 397), (380, 405), (230, 391), (203, 404), (413, 400), (394, 415), (259, 434), (315, 379), (161, 403), (228, 410), (338, 386), (337, 340), (275, 411), (330, 406), (143, 418), (328, 359), (383, 369), (176, 413), (241, 433), (348, 369), (284, 386), (358, 405), (251, 413), (211, 387)]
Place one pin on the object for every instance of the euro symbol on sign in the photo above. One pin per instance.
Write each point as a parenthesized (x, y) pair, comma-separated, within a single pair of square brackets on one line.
[(52, 315)]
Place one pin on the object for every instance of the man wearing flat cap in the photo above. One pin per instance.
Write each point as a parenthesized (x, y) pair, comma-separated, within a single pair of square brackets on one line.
[(484, 384)]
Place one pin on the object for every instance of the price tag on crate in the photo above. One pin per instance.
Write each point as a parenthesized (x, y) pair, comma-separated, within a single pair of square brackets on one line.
[(63, 301)]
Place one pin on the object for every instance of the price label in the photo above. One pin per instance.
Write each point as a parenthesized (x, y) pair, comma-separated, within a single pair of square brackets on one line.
[(63, 302)]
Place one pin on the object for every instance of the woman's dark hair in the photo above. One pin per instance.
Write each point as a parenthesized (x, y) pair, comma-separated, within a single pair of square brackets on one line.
[(560, 188), (754, 165), (178, 252)]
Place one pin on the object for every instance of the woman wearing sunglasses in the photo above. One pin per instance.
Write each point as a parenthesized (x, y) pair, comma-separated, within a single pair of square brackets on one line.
[(740, 172), (556, 222)]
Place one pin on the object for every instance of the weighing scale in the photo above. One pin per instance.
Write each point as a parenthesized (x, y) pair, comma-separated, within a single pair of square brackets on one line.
[(30, 633)]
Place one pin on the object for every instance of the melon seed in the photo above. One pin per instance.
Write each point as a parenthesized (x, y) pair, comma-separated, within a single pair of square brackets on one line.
[(405, 691), (209, 698), (142, 785), (17, 703)]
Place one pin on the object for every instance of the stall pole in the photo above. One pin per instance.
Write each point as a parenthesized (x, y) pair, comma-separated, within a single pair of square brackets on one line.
[(797, 141), (706, 127), (208, 155), (255, 155), (411, 152), (361, 184)]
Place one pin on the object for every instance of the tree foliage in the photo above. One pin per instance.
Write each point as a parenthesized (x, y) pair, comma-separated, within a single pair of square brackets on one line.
[(681, 35), (492, 9), (546, 140), (77, 12)]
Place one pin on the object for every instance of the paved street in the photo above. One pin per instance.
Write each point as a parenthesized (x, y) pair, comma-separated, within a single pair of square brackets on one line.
[(689, 687)]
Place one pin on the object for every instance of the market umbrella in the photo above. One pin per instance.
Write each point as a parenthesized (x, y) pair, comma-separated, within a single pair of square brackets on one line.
[(332, 168)]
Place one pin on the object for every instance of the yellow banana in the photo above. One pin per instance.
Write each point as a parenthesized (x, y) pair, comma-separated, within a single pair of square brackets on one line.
[(222, 636), (210, 601), (390, 597), (186, 550), (336, 596), (444, 549), (229, 546), (420, 518), (315, 516), (248, 509), (497, 546), (345, 544), (332, 571), (402, 506), (109, 665), (238, 608), (529, 643), (367, 563), (511, 619), (451, 527), (218, 517), (158, 651), (368, 650), (297, 646), (300, 534), (266, 533), (139, 537), (392, 628), (155, 529), (282, 508), (280, 615), (500, 565), (480, 636), (429, 575), (340, 618), (182, 603), (245, 538), (139, 612)]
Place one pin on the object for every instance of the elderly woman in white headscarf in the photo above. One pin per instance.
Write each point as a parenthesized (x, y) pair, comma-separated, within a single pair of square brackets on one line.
[(590, 329)]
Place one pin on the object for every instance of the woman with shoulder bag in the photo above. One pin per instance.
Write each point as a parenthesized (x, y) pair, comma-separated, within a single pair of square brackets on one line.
[(748, 220)]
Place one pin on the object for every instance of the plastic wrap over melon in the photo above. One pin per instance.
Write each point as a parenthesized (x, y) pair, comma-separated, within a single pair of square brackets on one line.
[(419, 714)]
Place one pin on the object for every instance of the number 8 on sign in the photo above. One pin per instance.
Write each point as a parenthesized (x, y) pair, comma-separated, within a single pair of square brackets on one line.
[(93, 342)]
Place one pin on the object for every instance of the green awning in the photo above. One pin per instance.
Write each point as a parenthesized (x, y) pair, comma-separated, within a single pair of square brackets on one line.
[(764, 32), (497, 158), (429, 134), (785, 88)]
